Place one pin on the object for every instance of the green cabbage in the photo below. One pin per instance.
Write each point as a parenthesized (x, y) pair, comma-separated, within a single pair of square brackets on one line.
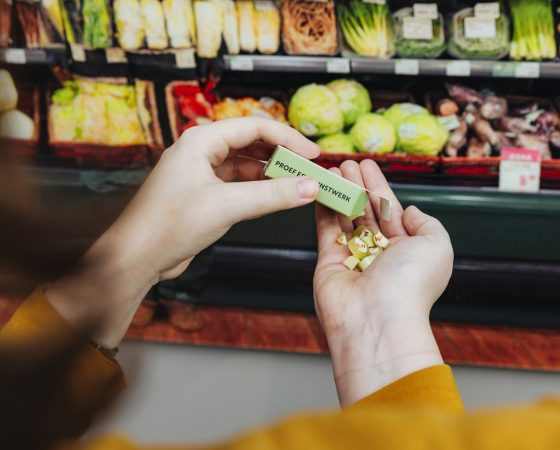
[(372, 133), (422, 134), (400, 111), (336, 143), (314, 111), (353, 99)]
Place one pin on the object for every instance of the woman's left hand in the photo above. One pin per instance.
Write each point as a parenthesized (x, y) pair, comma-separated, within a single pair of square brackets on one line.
[(187, 203)]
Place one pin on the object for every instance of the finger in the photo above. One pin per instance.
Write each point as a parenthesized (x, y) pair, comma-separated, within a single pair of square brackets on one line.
[(252, 199), (418, 223), (238, 169), (345, 223), (327, 225), (216, 139), (351, 171), (375, 181)]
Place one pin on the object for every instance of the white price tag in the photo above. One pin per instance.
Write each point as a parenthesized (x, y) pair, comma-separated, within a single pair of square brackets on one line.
[(527, 70), (477, 28), (375, 2), (450, 123), (425, 10), (242, 63), (78, 52), (15, 56), (520, 170), (417, 28), (338, 65), (458, 69), (115, 55), (264, 5), (184, 58), (487, 10), (407, 67)]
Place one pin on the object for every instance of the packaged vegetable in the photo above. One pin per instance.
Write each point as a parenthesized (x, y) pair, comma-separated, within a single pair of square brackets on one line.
[(533, 30), (130, 27), (247, 30), (175, 12), (231, 28), (337, 143), (421, 134), (472, 37), (309, 27), (154, 24), (314, 111), (267, 19), (400, 111), (97, 24), (353, 99), (367, 27), (209, 26), (372, 133), (418, 37)]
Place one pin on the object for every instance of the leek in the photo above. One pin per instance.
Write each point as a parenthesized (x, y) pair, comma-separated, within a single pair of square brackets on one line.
[(533, 30)]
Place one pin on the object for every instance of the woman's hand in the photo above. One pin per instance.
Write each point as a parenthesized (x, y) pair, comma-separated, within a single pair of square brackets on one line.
[(187, 203), (377, 322)]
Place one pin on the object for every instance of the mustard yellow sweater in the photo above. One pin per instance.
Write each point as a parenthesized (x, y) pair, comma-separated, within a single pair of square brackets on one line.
[(420, 411)]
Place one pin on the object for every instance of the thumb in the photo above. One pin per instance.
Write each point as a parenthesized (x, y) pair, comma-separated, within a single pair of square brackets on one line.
[(251, 199), (418, 223)]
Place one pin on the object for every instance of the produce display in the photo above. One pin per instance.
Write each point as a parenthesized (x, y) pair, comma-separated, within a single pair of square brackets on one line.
[(5, 22), (365, 245), (485, 123), (87, 111), (13, 123), (373, 133), (40, 28), (309, 27), (353, 99), (471, 37), (533, 30), (418, 37), (265, 107), (367, 27), (337, 143)]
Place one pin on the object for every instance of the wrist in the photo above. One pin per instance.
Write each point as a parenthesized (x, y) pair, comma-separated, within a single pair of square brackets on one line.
[(369, 357)]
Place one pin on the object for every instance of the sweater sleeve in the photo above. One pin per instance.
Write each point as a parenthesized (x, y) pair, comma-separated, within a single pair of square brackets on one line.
[(76, 380), (433, 387)]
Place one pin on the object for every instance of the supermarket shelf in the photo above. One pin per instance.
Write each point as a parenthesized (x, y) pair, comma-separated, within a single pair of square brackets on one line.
[(412, 67), (32, 56)]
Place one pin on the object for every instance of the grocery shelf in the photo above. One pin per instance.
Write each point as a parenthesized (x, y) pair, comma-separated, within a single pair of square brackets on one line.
[(412, 67), (32, 56)]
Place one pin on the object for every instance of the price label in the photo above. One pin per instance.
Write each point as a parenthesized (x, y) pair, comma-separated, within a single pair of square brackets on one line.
[(527, 70), (338, 65), (375, 2), (417, 28), (477, 28), (184, 58), (115, 55), (503, 69), (15, 56), (425, 10), (450, 123), (520, 170), (458, 69), (487, 10), (407, 67), (242, 63), (78, 52), (264, 5)]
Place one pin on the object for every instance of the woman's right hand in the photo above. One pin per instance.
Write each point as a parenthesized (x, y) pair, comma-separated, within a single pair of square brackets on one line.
[(377, 322)]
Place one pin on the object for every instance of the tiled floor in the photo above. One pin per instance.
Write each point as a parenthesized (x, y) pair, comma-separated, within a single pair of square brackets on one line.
[(536, 349)]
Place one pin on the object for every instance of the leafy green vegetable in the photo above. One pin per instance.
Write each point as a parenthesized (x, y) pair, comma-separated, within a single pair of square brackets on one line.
[(314, 111), (400, 111), (353, 99), (418, 48), (97, 24), (483, 48), (372, 133), (533, 30), (422, 134), (367, 28), (336, 143)]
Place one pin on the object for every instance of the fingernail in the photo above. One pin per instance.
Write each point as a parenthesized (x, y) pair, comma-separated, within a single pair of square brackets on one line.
[(307, 188)]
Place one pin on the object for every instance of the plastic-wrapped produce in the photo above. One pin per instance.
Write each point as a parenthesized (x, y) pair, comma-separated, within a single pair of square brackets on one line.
[(418, 37), (309, 27), (128, 20), (472, 37), (154, 24)]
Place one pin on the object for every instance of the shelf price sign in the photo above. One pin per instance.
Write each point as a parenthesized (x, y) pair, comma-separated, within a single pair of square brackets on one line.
[(407, 67), (184, 58), (242, 63), (520, 170), (115, 55), (338, 65), (15, 56), (78, 52), (458, 68)]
